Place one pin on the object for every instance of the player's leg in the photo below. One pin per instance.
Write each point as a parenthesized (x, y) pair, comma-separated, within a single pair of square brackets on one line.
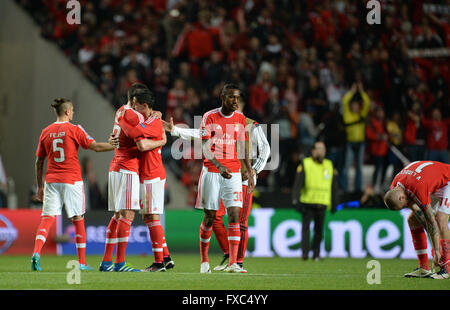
[(220, 231), (111, 231), (110, 243), (442, 216), (152, 204), (74, 201), (419, 239), (51, 207), (209, 186), (306, 221), (232, 197), (127, 204), (319, 218), (205, 238), (243, 221)]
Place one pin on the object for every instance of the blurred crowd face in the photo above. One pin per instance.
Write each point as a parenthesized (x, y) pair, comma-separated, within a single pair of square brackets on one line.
[(436, 115)]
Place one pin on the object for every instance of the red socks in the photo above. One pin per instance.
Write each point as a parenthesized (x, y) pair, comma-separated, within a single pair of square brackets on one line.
[(111, 239), (205, 237), (42, 232), (444, 246), (157, 238), (234, 236), (221, 234), (420, 245), (80, 240), (123, 232)]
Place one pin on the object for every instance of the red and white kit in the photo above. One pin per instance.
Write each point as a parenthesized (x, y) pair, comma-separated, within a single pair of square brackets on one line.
[(123, 179), (224, 132), (152, 174), (63, 185), (421, 179)]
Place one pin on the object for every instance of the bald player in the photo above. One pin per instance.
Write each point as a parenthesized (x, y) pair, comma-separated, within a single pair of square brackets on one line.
[(413, 188)]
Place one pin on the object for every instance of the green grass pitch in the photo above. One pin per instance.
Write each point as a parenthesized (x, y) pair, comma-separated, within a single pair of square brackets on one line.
[(263, 274)]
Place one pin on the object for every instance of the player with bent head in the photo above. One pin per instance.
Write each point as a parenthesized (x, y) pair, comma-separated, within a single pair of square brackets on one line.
[(63, 185), (220, 130), (123, 190), (411, 188), (152, 175)]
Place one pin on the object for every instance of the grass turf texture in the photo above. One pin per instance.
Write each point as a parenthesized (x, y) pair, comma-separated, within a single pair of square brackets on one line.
[(264, 274)]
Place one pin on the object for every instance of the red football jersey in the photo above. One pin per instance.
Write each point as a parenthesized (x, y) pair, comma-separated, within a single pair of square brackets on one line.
[(150, 162), (420, 179), (59, 142), (224, 132), (126, 154)]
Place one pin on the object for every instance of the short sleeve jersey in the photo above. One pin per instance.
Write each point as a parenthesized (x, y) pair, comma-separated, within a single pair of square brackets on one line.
[(59, 142), (150, 162), (126, 154), (420, 179), (224, 132)]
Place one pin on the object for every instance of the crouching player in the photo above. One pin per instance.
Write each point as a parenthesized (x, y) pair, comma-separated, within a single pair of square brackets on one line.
[(412, 188)]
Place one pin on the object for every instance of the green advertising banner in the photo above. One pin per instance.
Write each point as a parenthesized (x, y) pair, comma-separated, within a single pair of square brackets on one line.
[(376, 233)]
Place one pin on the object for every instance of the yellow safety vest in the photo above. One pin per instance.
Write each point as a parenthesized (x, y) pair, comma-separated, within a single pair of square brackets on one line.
[(318, 182)]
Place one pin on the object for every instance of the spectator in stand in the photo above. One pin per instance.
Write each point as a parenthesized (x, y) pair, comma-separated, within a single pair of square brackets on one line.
[(214, 70), (334, 137), (377, 141), (394, 129), (356, 104), (437, 136), (260, 92), (95, 199), (176, 96), (316, 99), (415, 135)]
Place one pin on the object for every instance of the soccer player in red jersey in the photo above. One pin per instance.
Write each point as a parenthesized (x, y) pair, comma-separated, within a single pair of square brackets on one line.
[(123, 188), (152, 176), (63, 184), (411, 188), (221, 130)]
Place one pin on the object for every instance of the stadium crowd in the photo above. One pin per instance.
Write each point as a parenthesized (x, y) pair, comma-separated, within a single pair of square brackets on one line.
[(316, 68)]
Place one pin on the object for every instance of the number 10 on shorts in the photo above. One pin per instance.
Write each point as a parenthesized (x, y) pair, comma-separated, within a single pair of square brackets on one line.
[(238, 196)]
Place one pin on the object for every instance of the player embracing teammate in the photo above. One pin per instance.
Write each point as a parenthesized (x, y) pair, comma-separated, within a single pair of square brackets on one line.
[(124, 182)]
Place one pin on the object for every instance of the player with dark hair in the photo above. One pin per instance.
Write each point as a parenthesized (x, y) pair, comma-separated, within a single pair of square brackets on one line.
[(152, 176), (63, 184), (223, 135), (123, 187), (411, 189), (259, 148)]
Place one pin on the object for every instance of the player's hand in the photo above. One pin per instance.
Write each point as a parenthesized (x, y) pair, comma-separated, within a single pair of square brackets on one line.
[(436, 258), (156, 114), (113, 140), (251, 183), (225, 172), (168, 126), (39, 195), (244, 175)]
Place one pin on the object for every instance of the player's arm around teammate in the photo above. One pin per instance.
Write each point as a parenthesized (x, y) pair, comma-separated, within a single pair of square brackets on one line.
[(63, 185)]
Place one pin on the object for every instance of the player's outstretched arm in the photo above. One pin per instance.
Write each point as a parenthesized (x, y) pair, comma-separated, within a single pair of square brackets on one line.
[(183, 133), (426, 218), (101, 147)]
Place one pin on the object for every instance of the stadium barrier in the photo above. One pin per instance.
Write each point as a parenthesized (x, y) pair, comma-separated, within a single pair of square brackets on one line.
[(18, 230), (376, 233)]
